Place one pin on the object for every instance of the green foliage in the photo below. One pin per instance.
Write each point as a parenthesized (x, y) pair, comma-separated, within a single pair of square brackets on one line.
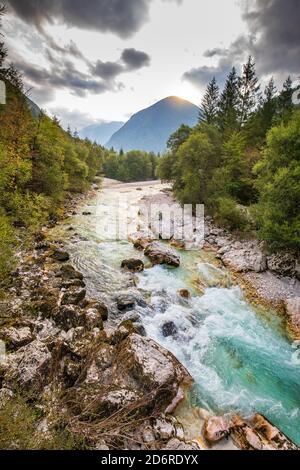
[(210, 103), (246, 161), (132, 166), (7, 243), (18, 430), (230, 215), (278, 185), (39, 162)]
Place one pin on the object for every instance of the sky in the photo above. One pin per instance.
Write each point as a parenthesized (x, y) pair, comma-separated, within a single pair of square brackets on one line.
[(104, 60)]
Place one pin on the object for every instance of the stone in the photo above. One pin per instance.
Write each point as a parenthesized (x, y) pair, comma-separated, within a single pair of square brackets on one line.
[(126, 302), (15, 338), (184, 293), (86, 213), (153, 368), (68, 272), (245, 260), (72, 283), (178, 445), (159, 254), (101, 307), (216, 428), (29, 368), (73, 296), (70, 316), (141, 239), (292, 310), (60, 255), (164, 429), (283, 264), (276, 438), (169, 329), (133, 265), (5, 396), (93, 319)]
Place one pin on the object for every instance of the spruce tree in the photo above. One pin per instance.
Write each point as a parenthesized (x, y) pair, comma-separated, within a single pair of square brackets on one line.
[(285, 103), (227, 115), (248, 92), (210, 103)]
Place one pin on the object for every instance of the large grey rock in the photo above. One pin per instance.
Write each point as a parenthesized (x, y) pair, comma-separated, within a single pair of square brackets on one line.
[(15, 338), (135, 372), (160, 254), (29, 368), (73, 296), (249, 258)]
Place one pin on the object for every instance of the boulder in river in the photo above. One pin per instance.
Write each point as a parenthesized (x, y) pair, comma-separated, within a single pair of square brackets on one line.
[(169, 329), (184, 293), (160, 254), (141, 239), (133, 265)]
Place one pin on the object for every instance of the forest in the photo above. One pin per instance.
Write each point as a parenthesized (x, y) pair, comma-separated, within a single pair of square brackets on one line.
[(40, 163), (242, 160)]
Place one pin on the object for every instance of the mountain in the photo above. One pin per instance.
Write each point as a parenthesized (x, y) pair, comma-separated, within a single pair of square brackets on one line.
[(151, 128), (100, 132)]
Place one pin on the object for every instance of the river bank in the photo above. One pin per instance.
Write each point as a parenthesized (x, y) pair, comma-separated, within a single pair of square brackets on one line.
[(83, 349)]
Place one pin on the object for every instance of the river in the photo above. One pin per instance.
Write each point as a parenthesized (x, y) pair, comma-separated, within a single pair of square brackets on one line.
[(239, 356)]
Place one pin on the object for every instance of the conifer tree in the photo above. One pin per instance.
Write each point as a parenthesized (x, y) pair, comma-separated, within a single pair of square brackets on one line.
[(285, 103), (227, 115), (248, 92), (210, 103)]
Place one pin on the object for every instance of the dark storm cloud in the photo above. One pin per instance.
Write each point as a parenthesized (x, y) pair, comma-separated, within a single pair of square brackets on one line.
[(277, 26), (123, 17), (134, 59), (107, 70), (273, 40)]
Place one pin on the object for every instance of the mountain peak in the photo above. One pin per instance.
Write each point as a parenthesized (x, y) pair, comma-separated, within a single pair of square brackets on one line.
[(150, 129)]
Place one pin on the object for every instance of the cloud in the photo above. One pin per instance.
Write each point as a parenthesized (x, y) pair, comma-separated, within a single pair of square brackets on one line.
[(107, 70), (73, 118), (134, 59), (273, 39), (217, 51), (122, 17), (275, 25), (235, 55)]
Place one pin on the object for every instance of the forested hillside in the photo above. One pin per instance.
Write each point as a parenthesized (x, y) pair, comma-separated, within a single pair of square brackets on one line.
[(39, 163), (242, 160)]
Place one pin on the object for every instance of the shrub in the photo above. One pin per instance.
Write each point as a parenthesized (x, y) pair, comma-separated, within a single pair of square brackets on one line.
[(230, 215)]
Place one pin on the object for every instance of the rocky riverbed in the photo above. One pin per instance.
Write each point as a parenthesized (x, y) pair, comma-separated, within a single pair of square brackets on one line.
[(87, 364)]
